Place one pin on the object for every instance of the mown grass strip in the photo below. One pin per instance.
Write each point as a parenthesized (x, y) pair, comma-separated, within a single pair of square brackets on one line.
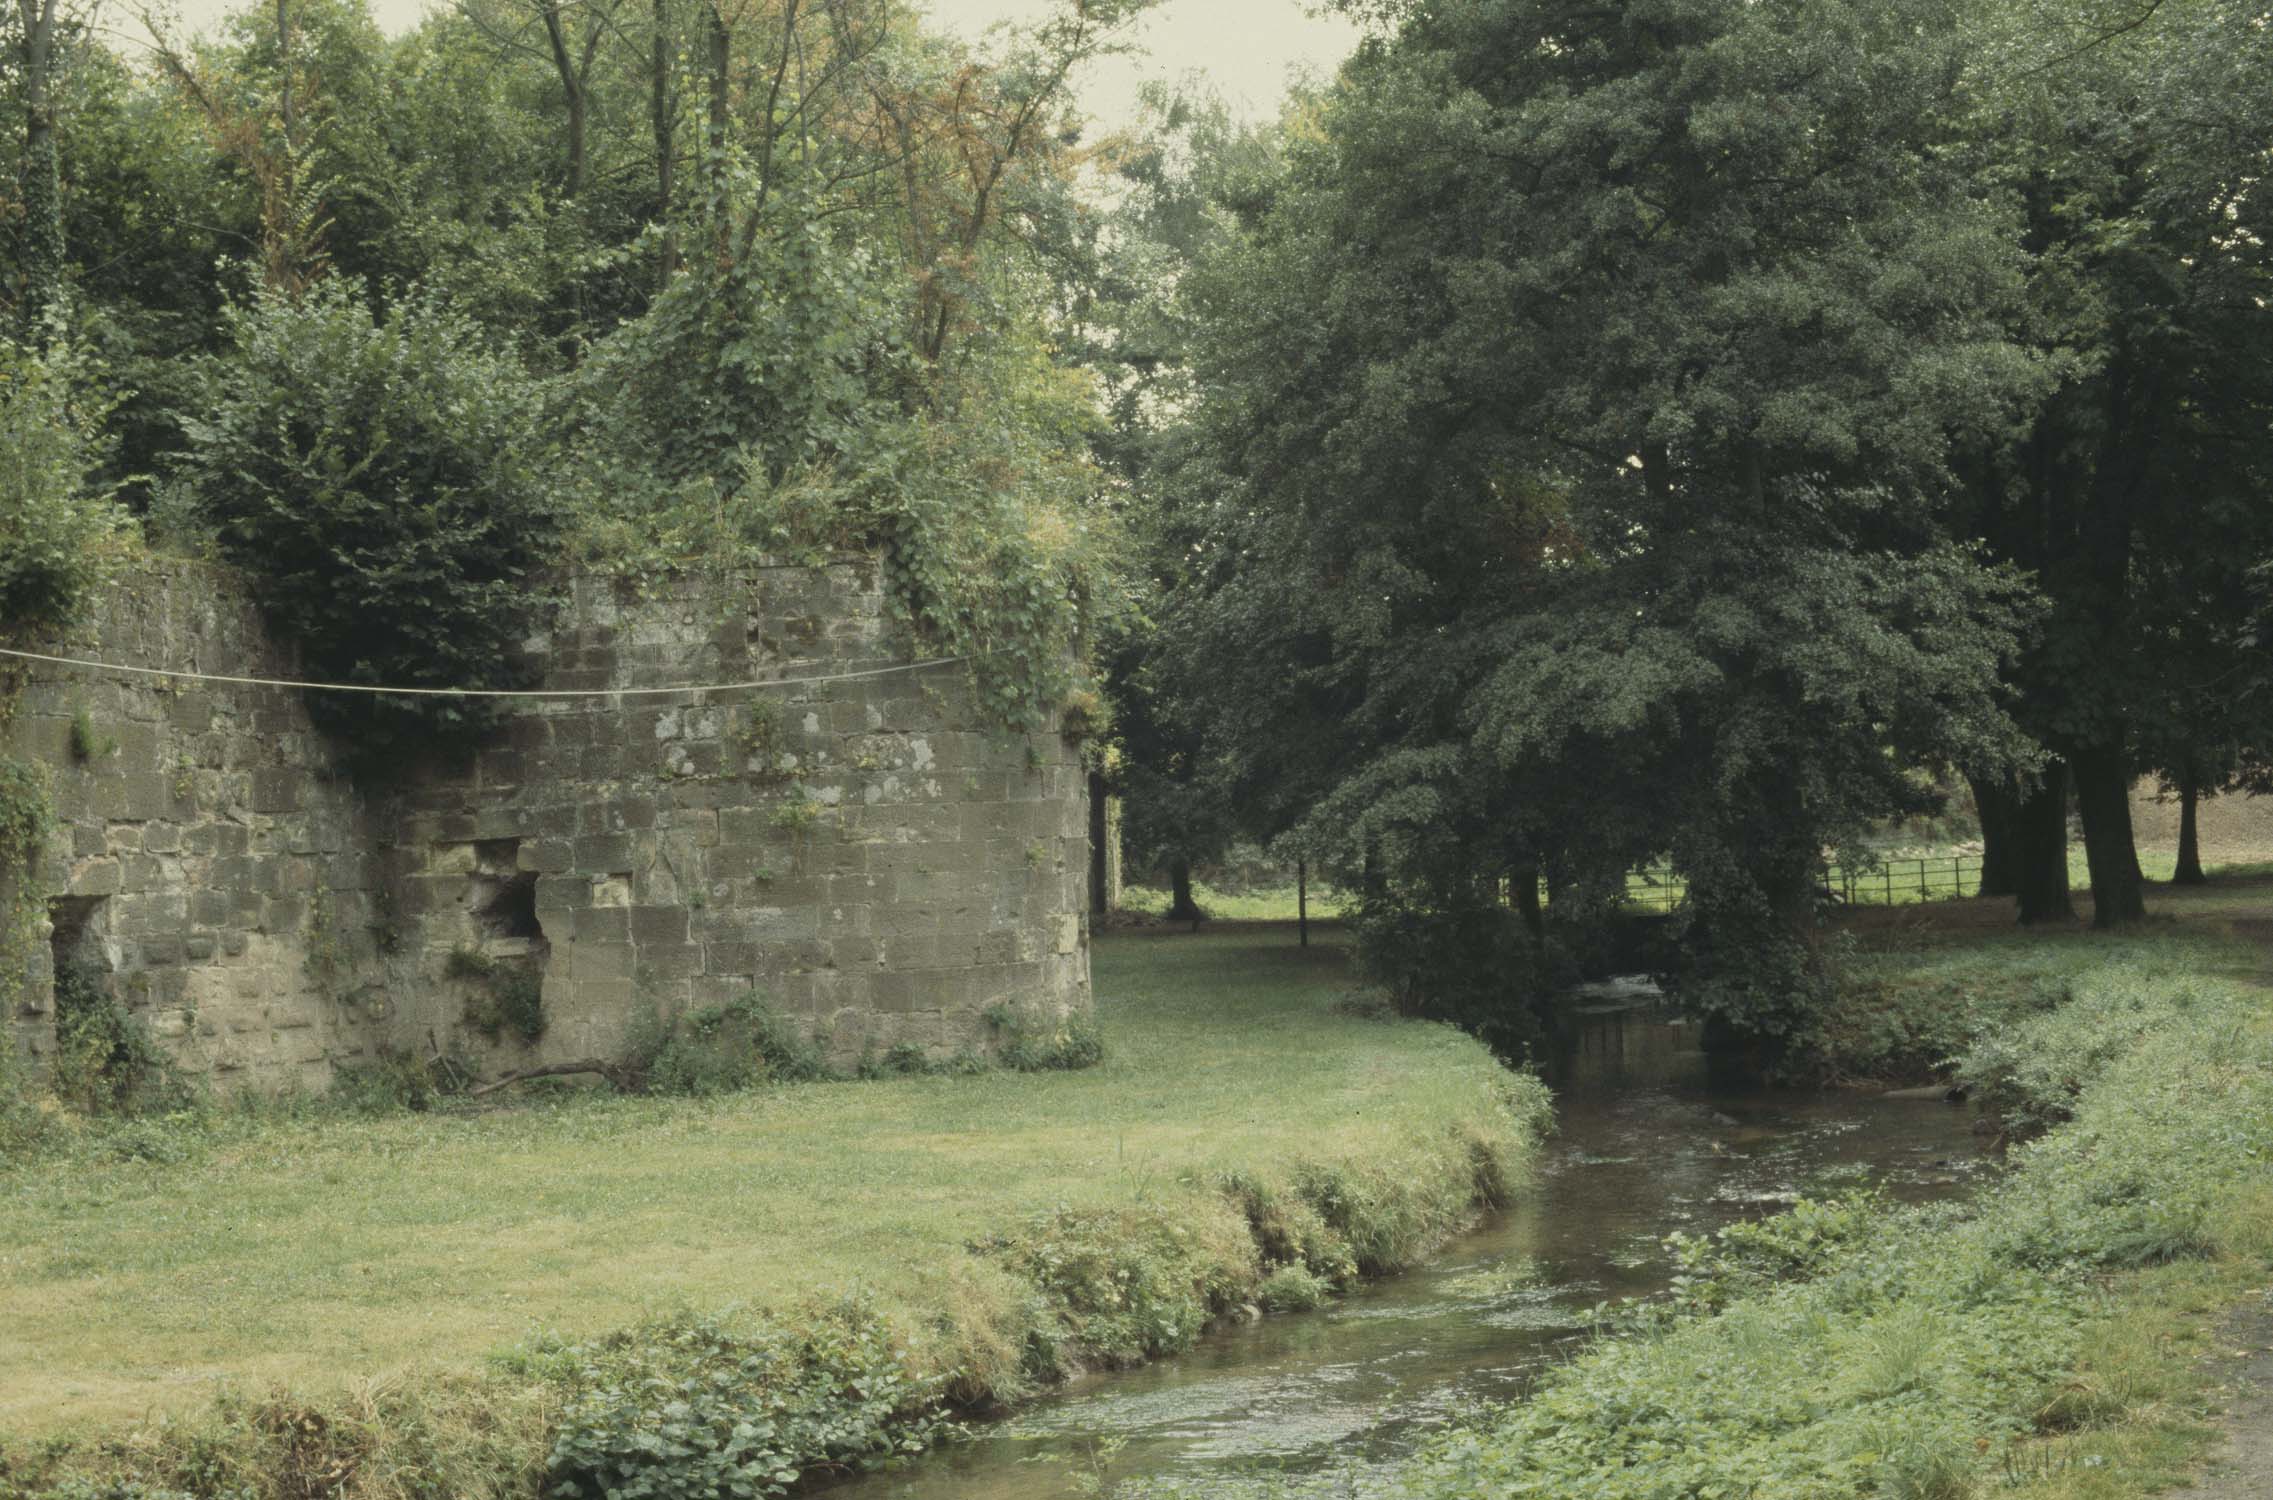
[(702, 1297)]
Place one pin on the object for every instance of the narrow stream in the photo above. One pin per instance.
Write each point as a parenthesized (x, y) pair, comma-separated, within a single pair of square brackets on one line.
[(1649, 1142)]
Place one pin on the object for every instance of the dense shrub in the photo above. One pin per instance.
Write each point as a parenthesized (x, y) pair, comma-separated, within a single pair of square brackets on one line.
[(26, 818), (393, 1081), (694, 1410), (385, 483), (107, 1062), (1758, 972), (1472, 963), (1029, 1043), (60, 530), (719, 1049)]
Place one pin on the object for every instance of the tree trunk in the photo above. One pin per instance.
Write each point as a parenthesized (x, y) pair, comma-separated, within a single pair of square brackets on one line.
[(572, 92), (578, 107), (2103, 796), (1100, 838), (2189, 871), (721, 64), (2040, 850), (1523, 895), (44, 255), (1181, 906), (284, 91), (1302, 902), (1998, 803), (659, 114)]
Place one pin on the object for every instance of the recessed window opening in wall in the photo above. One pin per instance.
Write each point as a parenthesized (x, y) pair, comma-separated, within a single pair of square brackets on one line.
[(75, 945), (509, 951), (502, 897), (509, 908)]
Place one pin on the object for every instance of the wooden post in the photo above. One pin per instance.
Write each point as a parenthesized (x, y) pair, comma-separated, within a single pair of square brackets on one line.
[(1302, 901)]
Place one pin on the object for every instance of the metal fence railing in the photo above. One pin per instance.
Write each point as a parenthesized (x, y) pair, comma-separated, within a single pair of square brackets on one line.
[(1890, 882)]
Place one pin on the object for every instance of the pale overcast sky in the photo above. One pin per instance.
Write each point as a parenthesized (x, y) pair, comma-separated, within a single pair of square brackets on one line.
[(1247, 48)]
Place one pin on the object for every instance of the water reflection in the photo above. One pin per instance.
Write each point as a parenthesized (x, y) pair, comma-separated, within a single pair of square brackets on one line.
[(1649, 1141)]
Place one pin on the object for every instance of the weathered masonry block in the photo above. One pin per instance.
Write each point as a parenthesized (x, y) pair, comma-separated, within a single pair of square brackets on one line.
[(866, 854)]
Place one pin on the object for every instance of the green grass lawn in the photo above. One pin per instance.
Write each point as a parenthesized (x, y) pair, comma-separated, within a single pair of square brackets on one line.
[(317, 1254)]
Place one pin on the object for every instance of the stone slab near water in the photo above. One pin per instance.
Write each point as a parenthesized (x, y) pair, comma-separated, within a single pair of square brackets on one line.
[(871, 857)]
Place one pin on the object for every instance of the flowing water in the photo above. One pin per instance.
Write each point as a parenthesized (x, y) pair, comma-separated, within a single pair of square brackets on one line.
[(1649, 1141)]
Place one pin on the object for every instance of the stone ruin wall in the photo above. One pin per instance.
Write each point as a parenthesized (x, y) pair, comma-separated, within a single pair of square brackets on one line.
[(204, 859), (866, 856)]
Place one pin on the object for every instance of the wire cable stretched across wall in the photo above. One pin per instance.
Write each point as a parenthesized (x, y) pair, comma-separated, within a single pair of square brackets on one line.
[(425, 692)]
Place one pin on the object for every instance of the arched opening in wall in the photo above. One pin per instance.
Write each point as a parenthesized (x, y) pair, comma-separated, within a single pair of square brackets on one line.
[(80, 960)]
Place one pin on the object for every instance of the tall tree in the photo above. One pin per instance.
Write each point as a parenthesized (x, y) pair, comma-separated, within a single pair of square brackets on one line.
[(45, 263), (567, 36), (2132, 133), (1586, 400)]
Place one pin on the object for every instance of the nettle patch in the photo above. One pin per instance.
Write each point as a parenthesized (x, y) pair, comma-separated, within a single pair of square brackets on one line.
[(693, 1409)]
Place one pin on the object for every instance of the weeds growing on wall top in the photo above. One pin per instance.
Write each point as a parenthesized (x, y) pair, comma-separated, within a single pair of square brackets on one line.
[(61, 532)]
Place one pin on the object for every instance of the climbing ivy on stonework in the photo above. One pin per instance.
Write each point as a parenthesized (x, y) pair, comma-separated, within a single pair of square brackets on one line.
[(994, 546), (26, 817), (983, 506), (61, 529)]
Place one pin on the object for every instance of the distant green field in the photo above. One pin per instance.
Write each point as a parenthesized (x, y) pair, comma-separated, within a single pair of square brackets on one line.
[(1898, 881), (1254, 904), (1902, 878)]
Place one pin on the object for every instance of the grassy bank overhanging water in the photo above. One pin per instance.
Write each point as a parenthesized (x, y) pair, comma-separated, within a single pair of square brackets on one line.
[(716, 1297)]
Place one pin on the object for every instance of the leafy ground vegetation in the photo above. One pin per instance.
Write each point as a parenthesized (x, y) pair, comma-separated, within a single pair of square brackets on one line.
[(714, 1296), (2043, 1341)]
